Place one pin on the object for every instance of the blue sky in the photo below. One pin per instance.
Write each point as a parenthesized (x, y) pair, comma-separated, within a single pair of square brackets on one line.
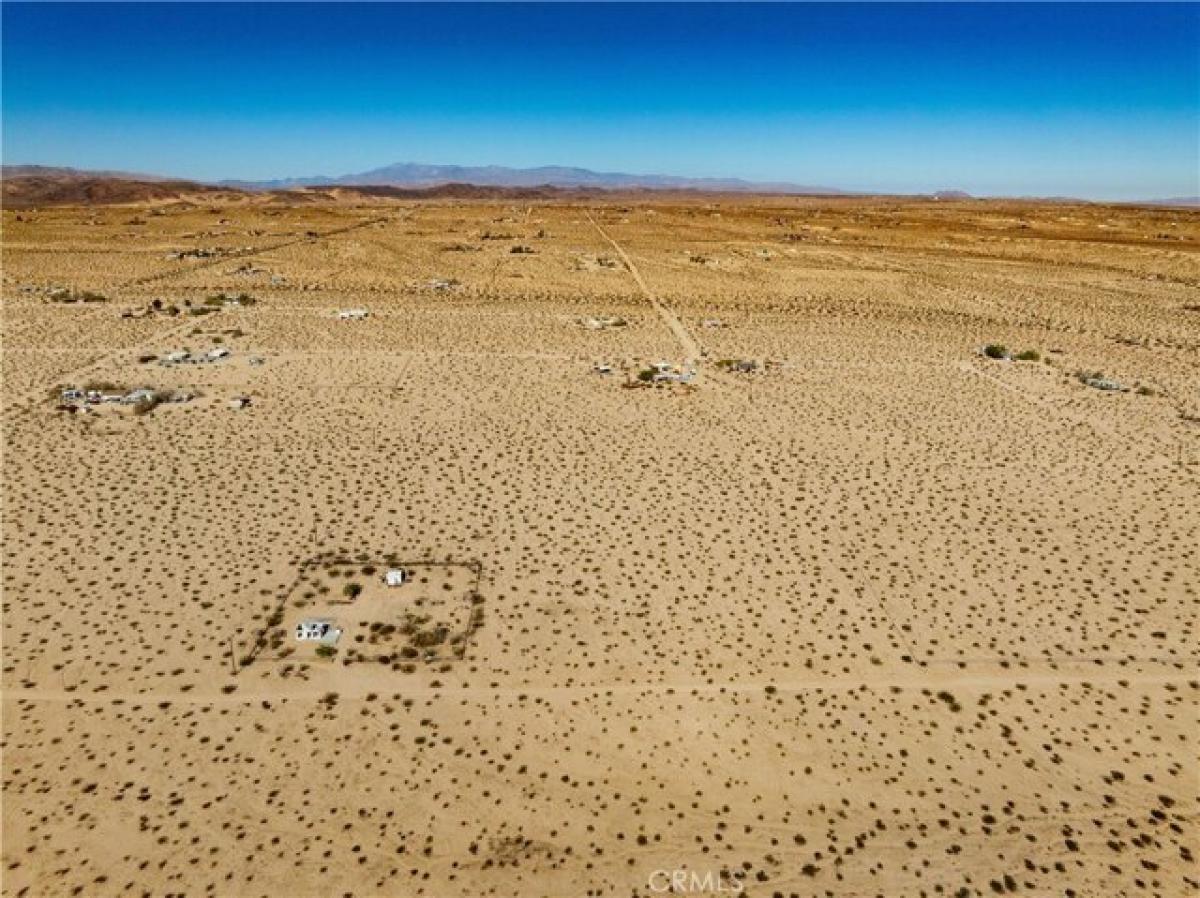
[(1089, 100)]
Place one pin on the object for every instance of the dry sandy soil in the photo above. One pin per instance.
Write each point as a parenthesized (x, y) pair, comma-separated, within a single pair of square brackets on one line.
[(884, 617)]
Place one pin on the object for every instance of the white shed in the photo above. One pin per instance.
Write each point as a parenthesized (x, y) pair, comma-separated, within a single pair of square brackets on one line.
[(395, 577)]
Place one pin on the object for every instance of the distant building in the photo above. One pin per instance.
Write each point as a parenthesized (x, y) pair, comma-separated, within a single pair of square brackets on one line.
[(322, 631), (395, 577)]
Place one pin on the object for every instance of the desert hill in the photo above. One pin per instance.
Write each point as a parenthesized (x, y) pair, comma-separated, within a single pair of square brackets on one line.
[(66, 188)]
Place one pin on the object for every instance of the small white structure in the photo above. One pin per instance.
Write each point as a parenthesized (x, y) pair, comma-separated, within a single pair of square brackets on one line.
[(219, 352), (603, 369), (239, 402), (72, 395), (395, 577), (314, 630), (1098, 382), (175, 358), (353, 314)]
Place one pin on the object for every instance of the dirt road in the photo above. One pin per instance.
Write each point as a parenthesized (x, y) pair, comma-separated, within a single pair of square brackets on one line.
[(691, 349)]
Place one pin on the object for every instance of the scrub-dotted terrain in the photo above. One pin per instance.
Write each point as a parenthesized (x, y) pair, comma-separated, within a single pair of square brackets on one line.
[(835, 547)]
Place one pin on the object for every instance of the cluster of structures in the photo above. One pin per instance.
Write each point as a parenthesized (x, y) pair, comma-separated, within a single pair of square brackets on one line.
[(247, 270), (80, 399), (183, 357), (653, 374), (319, 630), (666, 373), (325, 631)]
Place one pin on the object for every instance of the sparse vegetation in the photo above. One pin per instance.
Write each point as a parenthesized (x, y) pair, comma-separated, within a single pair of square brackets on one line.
[(881, 620)]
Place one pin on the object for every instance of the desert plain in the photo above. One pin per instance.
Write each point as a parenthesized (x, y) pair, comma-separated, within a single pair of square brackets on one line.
[(832, 602)]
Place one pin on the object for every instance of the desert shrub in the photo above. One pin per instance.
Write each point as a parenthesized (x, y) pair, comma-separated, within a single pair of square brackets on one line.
[(430, 638), (326, 651), (1028, 355), (352, 590), (147, 405), (995, 351), (646, 375)]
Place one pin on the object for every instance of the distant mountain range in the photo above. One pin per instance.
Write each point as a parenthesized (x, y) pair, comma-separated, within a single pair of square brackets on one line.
[(60, 171), (417, 174), (30, 185)]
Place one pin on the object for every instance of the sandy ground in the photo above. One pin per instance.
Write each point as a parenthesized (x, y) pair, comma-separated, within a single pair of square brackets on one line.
[(884, 617)]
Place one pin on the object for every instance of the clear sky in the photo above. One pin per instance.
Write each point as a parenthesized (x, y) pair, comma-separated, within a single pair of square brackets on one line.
[(1088, 100)]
